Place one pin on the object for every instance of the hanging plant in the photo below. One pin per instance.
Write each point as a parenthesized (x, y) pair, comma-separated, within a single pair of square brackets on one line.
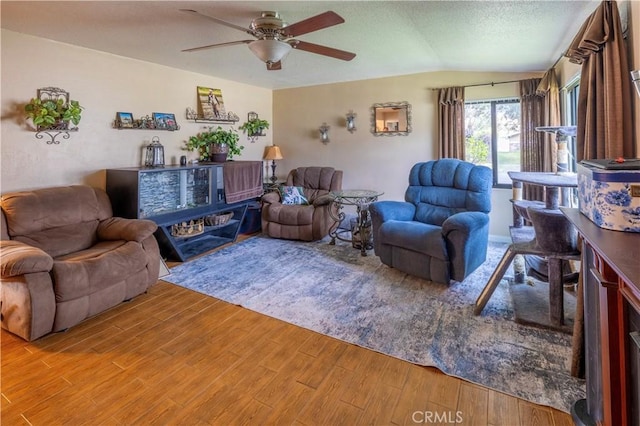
[(254, 127), (53, 114)]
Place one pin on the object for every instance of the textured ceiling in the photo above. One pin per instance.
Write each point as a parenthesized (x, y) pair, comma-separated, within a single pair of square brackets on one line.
[(389, 37)]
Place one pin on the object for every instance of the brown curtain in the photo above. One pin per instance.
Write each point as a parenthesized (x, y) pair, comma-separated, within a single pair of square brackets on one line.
[(532, 149), (451, 134), (549, 89), (604, 105)]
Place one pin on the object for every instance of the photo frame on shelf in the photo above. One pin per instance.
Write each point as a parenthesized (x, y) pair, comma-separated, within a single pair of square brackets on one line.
[(165, 121), (124, 120), (210, 103)]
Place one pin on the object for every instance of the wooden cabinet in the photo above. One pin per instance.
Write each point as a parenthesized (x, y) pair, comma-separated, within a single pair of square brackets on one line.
[(175, 195), (611, 273)]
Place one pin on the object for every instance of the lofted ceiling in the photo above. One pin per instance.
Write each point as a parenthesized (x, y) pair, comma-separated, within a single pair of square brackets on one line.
[(389, 37)]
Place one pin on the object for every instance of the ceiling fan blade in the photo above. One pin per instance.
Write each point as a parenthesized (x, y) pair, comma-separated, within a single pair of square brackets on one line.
[(211, 46), (274, 66), (219, 21), (323, 50), (315, 23)]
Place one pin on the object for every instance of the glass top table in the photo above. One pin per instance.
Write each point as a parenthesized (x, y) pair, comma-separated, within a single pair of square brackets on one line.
[(356, 196), (360, 198)]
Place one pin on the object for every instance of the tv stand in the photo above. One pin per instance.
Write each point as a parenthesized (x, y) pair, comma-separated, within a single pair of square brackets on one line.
[(175, 195)]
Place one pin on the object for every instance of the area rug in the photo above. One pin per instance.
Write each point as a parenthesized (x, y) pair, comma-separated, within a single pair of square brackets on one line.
[(333, 290)]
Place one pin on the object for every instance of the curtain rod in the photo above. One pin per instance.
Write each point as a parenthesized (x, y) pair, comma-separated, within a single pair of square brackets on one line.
[(484, 84), (506, 82)]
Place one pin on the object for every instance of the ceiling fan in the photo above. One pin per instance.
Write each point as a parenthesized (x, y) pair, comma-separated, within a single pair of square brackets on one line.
[(274, 37)]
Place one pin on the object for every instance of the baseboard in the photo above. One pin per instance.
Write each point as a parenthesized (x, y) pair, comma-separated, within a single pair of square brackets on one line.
[(500, 239)]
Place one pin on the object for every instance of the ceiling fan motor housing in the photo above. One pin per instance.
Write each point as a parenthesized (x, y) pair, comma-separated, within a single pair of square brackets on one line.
[(269, 26)]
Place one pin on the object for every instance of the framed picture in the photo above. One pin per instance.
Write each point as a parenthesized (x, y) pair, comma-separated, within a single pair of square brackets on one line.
[(165, 121), (210, 103), (124, 119)]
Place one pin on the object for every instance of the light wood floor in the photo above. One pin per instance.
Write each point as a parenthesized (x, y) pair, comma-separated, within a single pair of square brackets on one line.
[(176, 357)]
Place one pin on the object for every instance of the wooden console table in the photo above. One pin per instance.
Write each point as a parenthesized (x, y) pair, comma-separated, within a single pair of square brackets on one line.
[(611, 274)]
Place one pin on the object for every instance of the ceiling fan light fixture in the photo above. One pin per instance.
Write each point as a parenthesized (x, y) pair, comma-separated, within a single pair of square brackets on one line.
[(270, 51)]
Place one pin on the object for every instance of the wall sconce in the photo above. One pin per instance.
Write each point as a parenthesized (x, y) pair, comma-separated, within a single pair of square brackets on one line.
[(351, 121), (635, 77), (324, 133)]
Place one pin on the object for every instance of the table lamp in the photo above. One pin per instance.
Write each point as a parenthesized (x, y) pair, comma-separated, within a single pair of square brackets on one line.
[(273, 153)]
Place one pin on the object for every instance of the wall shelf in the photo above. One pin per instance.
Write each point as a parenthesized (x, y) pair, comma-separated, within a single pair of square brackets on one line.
[(157, 121), (118, 127), (208, 120), (226, 118)]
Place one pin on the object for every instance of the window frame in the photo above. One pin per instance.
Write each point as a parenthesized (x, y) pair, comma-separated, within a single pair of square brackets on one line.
[(494, 136), (570, 107)]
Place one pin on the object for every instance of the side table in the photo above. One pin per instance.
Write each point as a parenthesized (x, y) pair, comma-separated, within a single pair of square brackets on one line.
[(360, 198), (271, 186)]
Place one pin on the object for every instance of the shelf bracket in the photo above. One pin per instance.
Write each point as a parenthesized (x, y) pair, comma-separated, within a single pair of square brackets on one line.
[(52, 134)]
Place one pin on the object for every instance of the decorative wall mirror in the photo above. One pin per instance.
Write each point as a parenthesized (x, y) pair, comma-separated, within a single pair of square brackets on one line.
[(391, 119)]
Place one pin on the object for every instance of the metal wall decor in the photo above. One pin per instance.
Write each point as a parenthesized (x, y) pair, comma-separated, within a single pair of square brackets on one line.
[(351, 121), (635, 78), (324, 133)]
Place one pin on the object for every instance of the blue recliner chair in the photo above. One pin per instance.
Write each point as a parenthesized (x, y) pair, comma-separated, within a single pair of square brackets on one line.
[(441, 231)]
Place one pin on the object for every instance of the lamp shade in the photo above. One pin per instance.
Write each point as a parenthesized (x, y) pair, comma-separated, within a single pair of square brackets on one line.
[(270, 51), (273, 153)]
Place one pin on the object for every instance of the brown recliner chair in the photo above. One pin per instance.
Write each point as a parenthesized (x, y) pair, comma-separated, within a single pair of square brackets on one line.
[(64, 258), (307, 222)]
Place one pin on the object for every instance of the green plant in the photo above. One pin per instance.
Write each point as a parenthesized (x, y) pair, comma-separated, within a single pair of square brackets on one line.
[(476, 150), (51, 113), (254, 127), (202, 142)]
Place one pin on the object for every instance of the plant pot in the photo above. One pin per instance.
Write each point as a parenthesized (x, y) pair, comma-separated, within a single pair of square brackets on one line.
[(219, 152), (58, 125)]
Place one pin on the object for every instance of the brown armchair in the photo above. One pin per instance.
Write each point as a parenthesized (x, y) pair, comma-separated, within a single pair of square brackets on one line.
[(308, 222), (64, 258)]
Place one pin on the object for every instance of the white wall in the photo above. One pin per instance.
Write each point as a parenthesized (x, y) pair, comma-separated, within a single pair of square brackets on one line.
[(104, 84), (379, 162)]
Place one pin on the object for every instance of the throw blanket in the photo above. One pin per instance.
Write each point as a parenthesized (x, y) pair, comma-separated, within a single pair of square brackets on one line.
[(242, 180)]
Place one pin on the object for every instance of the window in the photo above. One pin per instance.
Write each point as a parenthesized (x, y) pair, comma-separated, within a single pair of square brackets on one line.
[(492, 137), (571, 118)]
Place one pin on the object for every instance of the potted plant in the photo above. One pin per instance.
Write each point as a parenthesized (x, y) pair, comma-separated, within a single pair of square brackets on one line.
[(215, 144), (254, 127), (53, 114)]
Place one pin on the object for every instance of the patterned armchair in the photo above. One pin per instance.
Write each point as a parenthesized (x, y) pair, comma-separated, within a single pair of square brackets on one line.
[(440, 232), (309, 221)]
